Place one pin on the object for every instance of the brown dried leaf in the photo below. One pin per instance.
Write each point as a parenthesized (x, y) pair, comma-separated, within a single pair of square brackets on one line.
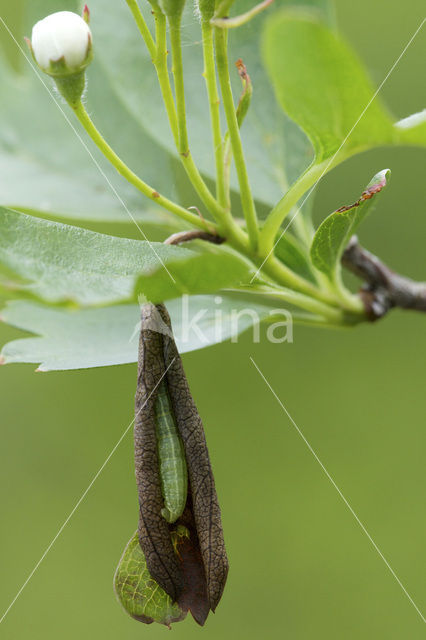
[(182, 577), (154, 534), (206, 508)]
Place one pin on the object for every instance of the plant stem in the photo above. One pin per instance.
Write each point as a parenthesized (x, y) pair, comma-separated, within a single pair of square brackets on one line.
[(241, 111), (177, 120), (158, 52), (303, 228), (304, 185), (287, 278), (326, 303), (247, 200), (176, 44), (227, 225), (222, 193), (200, 186), (160, 63), (227, 160), (131, 177), (308, 320), (142, 26), (332, 314), (349, 300)]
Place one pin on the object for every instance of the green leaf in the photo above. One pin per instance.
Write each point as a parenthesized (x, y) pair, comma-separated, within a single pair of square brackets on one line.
[(334, 233), (66, 263), (322, 86), (71, 339), (138, 593), (412, 130), (81, 339), (10, 283), (194, 273), (276, 150)]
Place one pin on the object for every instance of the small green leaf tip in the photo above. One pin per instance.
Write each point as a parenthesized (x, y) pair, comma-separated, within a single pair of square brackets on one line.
[(61, 45)]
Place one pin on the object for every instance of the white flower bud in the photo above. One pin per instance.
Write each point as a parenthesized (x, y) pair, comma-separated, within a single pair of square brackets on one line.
[(62, 43)]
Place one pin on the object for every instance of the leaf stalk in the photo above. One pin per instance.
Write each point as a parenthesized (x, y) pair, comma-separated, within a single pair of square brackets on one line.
[(131, 177), (222, 193), (247, 199)]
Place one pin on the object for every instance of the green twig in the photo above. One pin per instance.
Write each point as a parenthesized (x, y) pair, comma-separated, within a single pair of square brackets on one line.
[(304, 185), (284, 276), (227, 226), (247, 200), (222, 193), (142, 26), (131, 177), (158, 51), (176, 45), (332, 314), (160, 63), (176, 114), (241, 112), (183, 146), (306, 319)]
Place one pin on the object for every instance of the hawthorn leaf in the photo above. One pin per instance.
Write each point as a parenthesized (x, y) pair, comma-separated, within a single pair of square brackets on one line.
[(412, 130), (322, 86), (85, 338), (335, 231), (69, 264), (71, 338)]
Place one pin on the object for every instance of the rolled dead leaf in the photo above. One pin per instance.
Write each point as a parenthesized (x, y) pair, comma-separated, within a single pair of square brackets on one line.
[(153, 530), (198, 572)]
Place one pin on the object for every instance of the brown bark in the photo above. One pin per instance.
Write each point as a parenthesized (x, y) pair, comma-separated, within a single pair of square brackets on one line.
[(383, 288)]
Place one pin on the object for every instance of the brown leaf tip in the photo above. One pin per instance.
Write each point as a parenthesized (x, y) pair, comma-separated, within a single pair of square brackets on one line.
[(242, 69), (367, 194), (348, 207), (373, 189)]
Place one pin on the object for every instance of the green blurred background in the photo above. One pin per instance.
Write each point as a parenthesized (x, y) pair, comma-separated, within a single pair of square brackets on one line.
[(301, 567)]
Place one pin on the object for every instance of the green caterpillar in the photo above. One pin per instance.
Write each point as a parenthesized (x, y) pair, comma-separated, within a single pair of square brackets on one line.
[(171, 457)]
